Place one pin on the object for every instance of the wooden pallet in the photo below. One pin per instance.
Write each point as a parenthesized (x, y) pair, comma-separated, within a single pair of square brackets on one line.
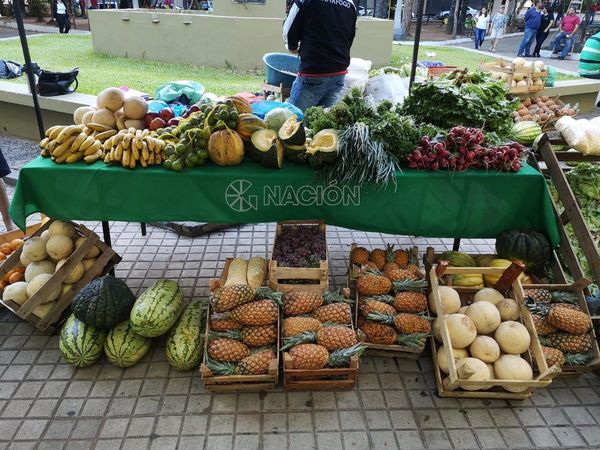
[(319, 276), (239, 383), (50, 322), (321, 379), (452, 385)]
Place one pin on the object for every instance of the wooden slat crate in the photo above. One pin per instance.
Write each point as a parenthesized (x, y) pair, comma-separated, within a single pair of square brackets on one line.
[(239, 383), (215, 283), (319, 276), (451, 385), (319, 380), (578, 288), (529, 76), (50, 322)]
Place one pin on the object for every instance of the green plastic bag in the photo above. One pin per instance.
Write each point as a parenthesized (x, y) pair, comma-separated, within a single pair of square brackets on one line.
[(551, 76), (176, 90)]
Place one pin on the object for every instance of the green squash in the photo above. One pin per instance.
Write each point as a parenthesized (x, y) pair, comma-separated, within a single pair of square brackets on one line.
[(80, 344), (322, 148), (528, 246), (103, 302), (185, 343), (296, 154), (292, 132), (266, 148)]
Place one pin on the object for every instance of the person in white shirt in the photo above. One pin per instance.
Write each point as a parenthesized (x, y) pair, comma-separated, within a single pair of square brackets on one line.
[(62, 17), (482, 20)]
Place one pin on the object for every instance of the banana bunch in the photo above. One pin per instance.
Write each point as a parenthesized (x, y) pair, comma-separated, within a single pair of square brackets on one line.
[(468, 280), (72, 143), (129, 147)]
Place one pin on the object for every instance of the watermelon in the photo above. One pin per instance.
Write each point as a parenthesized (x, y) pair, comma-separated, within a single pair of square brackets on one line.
[(123, 347), (185, 342), (80, 344), (528, 246), (526, 132), (103, 302), (157, 309), (458, 259)]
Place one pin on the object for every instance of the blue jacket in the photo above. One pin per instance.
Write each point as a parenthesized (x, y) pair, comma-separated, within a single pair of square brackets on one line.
[(533, 18)]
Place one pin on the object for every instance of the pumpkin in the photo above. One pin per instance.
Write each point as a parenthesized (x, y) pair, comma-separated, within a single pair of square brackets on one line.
[(226, 148), (529, 246), (104, 302), (248, 124), (241, 104)]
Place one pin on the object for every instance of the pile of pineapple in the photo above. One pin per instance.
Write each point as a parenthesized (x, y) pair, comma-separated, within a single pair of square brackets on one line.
[(242, 338), (317, 330), (392, 303), (563, 327)]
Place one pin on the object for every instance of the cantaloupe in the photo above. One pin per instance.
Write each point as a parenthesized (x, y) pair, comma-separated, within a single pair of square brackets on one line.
[(75, 275), (485, 316), (485, 348), (34, 249), (36, 268), (135, 108), (442, 359), (64, 228), (92, 253), (473, 369), (79, 113), (488, 295), (24, 261), (120, 119), (59, 247), (87, 117), (461, 329), (37, 283), (135, 123), (448, 297), (512, 337), (110, 98), (88, 263), (513, 367), (509, 309), (17, 292), (104, 117)]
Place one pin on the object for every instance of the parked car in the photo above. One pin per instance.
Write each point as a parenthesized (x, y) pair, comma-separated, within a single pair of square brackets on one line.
[(362, 11), (445, 14)]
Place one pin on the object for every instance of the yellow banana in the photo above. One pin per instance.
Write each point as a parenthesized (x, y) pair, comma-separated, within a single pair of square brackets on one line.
[(119, 152), (125, 159), (93, 148), (132, 130), (98, 127), (143, 162), (56, 131), (73, 157), (145, 153), (50, 130), (66, 133), (135, 153), (150, 142), (64, 148), (93, 158), (127, 140), (62, 158), (87, 143), (51, 146), (107, 159), (45, 153), (80, 139), (105, 135), (151, 159), (132, 163), (88, 131), (109, 143), (145, 132), (44, 143), (158, 159)]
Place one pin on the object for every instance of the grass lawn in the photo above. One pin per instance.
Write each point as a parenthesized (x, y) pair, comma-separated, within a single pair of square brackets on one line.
[(63, 52)]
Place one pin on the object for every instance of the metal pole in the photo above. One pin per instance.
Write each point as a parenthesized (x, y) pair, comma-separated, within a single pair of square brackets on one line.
[(28, 66), (413, 70)]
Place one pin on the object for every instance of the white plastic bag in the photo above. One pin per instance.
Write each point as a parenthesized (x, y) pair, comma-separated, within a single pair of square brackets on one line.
[(578, 133), (357, 76), (387, 86)]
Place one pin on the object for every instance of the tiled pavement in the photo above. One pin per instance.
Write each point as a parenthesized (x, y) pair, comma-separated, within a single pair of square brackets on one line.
[(47, 404)]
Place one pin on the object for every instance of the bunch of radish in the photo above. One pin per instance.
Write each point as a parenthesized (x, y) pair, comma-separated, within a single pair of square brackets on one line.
[(463, 149)]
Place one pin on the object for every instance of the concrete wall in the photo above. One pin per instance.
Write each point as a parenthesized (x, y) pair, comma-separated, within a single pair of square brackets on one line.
[(214, 40), (271, 8)]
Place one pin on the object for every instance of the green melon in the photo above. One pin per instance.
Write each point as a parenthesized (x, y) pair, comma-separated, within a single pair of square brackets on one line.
[(185, 342), (157, 309), (526, 132), (529, 246), (103, 302), (123, 347), (80, 344), (458, 259)]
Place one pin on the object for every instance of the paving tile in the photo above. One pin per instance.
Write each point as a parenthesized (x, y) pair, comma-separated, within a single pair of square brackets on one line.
[(274, 423), (58, 429), (428, 418), (147, 405), (224, 403), (568, 436), (221, 423), (70, 407), (409, 439), (578, 415), (383, 440), (300, 422), (95, 407), (22, 445), (79, 445), (463, 439), (17, 408), (8, 427), (198, 404), (79, 389), (372, 399), (591, 435), (326, 421), (378, 420), (515, 437), (29, 389), (114, 428), (275, 401), (51, 445), (173, 404), (164, 443), (489, 438), (219, 442), (420, 399), (178, 386), (454, 418), (194, 425), (324, 400), (529, 417), (542, 438), (274, 441), (135, 444), (300, 401), (53, 389), (121, 407), (247, 442), (30, 429), (329, 441), (191, 443), (356, 440), (554, 416), (86, 428), (248, 403), (351, 420), (103, 389), (247, 423), (505, 418), (142, 426), (437, 439)]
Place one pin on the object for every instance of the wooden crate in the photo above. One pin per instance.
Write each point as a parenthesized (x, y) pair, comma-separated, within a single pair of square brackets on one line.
[(434, 72), (320, 275), (50, 322), (578, 288), (215, 283), (529, 75), (319, 380), (451, 385), (239, 383)]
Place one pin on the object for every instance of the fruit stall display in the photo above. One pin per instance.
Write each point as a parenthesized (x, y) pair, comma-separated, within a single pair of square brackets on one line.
[(391, 306), (543, 110), (299, 260), (521, 76), (41, 276), (485, 344)]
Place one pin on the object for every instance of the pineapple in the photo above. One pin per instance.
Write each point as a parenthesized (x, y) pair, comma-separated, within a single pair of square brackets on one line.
[(332, 338), (259, 336), (392, 269), (334, 313), (410, 302), (378, 256), (578, 359), (542, 326), (341, 358), (309, 356), (370, 304), (553, 356), (260, 312), (415, 340), (539, 295), (404, 323), (401, 257), (359, 256), (569, 320), (568, 306), (370, 265), (298, 303), (227, 350), (230, 297), (373, 284), (255, 364), (222, 322), (567, 343), (410, 284), (293, 326), (378, 333)]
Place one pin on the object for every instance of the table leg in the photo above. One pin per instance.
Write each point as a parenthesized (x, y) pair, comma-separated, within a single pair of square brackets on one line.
[(107, 241), (143, 225), (456, 246)]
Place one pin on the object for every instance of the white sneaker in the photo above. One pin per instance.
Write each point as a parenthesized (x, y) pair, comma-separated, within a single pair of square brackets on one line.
[(554, 56)]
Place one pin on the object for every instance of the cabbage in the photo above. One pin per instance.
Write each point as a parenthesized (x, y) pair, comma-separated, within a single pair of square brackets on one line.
[(276, 118), (585, 182)]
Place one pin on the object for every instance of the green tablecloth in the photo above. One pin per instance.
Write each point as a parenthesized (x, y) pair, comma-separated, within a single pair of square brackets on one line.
[(473, 204)]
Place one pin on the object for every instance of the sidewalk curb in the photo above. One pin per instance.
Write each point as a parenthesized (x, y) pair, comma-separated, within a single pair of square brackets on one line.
[(12, 177), (447, 42), (39, 28)]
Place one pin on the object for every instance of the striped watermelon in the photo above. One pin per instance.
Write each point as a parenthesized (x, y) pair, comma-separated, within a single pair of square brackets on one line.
[(185, 342), (80, 344), (157, 309), (526, 132), (124, 347)]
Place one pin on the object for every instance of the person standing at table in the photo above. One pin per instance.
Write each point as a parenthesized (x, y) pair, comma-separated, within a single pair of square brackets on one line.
[(545, 25), (498, 27), (62, 17), (4, 203), (482, 21), (589, 58), (568, 27), (321, 32), (533, 19)]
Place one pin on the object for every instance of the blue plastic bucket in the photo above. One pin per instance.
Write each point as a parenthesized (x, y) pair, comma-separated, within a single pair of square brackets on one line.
[(281, 68)]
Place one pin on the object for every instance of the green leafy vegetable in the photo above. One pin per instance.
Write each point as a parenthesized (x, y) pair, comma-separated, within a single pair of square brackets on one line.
[(585, 182)]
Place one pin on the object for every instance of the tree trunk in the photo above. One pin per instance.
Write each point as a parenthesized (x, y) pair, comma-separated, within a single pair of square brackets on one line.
[(456, 18), (407, 15), (381, 9)]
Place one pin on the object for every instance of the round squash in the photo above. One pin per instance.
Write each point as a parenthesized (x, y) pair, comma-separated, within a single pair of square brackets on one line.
[(241, 104), (105, 117), (226, 148), (111, 98), (473, 369), (512, 337), (34, 249), (79, 113), (529, 246), (248, 124), (103, 302), (59, 247)]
